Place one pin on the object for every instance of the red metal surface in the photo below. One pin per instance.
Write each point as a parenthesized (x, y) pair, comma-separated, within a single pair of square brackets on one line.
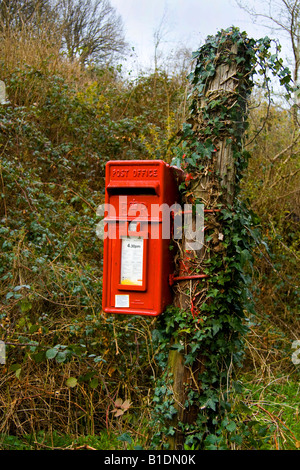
[(131, 188)]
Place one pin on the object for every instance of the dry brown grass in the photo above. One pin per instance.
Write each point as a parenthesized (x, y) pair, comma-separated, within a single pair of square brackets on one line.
[(25, 49)]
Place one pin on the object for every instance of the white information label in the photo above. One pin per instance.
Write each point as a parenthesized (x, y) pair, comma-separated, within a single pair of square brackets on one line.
[(122, 301), (132, 261)]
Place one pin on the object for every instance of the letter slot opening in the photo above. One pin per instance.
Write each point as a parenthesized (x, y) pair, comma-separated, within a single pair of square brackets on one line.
[(136, 190)]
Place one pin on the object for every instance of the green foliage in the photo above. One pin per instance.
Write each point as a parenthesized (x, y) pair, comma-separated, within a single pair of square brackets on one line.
[(55, 441), (68, 366), (54, 143), (212, 341), (272, 188)]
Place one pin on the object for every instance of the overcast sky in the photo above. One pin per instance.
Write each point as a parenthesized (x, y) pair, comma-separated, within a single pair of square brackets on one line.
[(187, 23)]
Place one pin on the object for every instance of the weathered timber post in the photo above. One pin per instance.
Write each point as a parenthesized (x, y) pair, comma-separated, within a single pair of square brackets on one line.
[(214, 135), (201, 337)]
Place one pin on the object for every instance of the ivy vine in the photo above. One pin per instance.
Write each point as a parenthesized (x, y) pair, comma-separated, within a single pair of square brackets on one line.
[(214, 329)]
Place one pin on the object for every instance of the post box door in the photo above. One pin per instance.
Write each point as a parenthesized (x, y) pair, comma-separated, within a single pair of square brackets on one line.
[(136, 263)]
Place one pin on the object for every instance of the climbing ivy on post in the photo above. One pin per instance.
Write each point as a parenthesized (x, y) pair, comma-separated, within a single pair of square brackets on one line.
[(201, 337)]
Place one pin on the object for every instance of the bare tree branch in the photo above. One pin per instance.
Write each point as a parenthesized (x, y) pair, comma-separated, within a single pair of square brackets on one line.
[(87, 29), (91, 29), (285, 14), (18, 14)]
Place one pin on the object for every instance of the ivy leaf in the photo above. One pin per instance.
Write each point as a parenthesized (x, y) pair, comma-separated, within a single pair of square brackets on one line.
[(94, 383), (216, 327), (231, 426), (25, 306), (213, 293), (212, 441), (125, 438), (178, 347), (191, 77), (51, 353), (61, 356), (211, 403), (16, 368), (17, 288), (71, 382)]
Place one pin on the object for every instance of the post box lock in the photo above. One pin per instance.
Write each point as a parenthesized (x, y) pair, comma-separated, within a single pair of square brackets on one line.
[(137, 261)]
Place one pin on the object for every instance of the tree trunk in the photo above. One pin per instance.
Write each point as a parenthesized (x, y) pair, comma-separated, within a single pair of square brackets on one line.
[(213, 186)]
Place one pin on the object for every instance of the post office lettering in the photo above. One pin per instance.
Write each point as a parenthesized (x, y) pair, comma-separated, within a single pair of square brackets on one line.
[(145, 173), (120, 173)]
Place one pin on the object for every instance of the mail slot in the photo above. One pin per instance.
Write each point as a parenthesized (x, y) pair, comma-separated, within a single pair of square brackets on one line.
[(140, 197)]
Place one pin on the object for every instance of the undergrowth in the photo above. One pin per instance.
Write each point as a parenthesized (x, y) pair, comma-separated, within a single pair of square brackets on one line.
[(74, 376)]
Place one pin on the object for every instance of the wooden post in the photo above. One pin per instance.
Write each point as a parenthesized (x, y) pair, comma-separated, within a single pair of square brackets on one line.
[(212, 186)]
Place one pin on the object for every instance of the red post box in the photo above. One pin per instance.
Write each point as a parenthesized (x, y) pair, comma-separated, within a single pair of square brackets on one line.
[(140, 197)]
